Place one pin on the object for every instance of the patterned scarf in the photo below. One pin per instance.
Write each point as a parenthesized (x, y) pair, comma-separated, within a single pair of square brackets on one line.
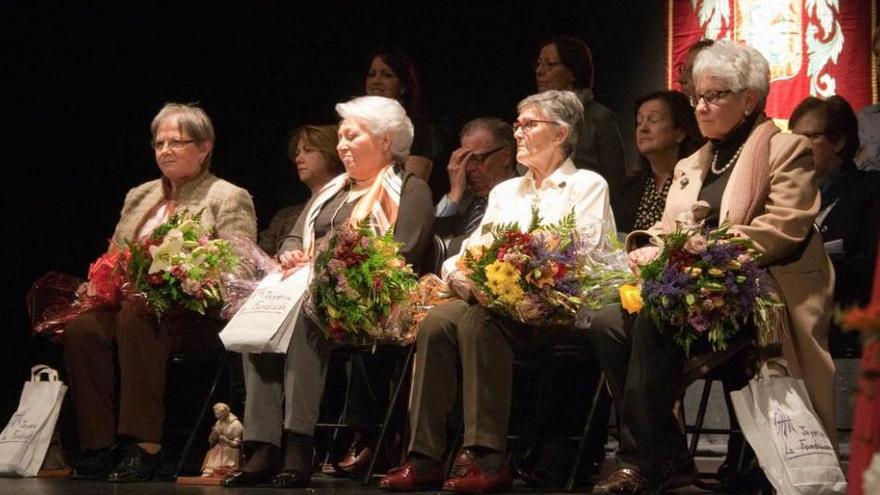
[(380, 203)]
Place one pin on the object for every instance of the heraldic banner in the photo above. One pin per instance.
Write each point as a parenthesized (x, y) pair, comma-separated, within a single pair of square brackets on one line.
[(815, 47)]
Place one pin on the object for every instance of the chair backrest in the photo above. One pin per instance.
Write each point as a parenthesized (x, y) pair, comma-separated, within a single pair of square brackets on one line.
[(436, 256)]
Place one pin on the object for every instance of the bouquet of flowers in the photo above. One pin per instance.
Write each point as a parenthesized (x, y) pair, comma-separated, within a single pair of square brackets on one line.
[(180, 265), (705, 282), (361, 287), (541, 277)]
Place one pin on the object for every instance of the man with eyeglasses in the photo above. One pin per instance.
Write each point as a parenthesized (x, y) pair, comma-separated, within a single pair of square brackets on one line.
[(485, 158)]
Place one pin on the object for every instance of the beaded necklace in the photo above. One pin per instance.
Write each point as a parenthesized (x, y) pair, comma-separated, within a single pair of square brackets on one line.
[(719, 171)]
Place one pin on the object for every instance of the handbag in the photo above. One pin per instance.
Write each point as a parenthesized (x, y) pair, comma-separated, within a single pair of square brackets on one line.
[(267, 319), (778, 421), (24, 441)]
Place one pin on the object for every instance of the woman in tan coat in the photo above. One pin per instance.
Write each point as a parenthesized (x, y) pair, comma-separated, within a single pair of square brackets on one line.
[(763, 184), (183, 140)]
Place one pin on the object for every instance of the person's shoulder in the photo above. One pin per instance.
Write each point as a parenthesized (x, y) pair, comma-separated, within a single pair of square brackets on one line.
[(146, 186), (508, 186), (223, 187), (582, 178), (412, 184)]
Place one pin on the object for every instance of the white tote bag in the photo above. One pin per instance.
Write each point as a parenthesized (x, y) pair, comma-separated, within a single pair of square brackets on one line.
[(266, 320), (26, 438), (778, 420)]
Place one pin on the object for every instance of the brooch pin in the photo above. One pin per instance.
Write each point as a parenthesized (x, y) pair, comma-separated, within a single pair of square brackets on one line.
[(684, 182)]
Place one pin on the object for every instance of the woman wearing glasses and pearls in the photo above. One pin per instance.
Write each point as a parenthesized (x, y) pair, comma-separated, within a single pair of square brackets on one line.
[(763, 184), (183, 139), (460, 331)]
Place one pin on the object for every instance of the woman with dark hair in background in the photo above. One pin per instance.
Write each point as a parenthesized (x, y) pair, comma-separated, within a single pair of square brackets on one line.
[(565, 63), (666, 132), (312, 151), (392, 74), (849, 217)]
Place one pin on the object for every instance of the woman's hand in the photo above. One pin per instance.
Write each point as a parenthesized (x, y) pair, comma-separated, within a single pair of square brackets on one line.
[(641, 257), (293, 259), (462, 287)]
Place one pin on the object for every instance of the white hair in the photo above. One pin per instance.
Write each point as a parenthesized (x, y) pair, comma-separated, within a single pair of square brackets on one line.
[(562, 107), (382, 115), (739, 66)]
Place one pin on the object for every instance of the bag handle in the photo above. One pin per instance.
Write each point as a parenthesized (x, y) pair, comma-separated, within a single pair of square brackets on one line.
[(41, 373), (766, 372)]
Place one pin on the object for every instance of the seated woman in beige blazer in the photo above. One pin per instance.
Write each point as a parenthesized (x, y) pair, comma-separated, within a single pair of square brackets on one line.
[(183, 138), (763, 184)]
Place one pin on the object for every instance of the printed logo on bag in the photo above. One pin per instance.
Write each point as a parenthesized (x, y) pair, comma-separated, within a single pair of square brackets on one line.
[(19, 428), (799, 440)]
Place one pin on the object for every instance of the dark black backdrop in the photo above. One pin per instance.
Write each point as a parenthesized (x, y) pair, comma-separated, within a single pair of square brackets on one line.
[(80, 86)]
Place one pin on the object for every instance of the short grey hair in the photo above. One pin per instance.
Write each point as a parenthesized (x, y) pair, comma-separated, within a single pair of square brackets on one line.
[(382, 115), (191, 119), (739, 66), (562, 107), (501, 131)]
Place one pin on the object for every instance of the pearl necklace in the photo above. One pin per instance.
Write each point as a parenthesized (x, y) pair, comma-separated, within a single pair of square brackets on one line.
[(719, 171)]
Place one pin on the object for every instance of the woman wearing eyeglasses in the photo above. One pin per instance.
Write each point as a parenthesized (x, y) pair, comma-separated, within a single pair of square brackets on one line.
[(183, 141), (457, 339), (565, 63), (763, 184), (849, 217)]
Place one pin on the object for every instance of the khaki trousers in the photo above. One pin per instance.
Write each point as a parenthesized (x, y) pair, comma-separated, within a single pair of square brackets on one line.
[(462, 349)]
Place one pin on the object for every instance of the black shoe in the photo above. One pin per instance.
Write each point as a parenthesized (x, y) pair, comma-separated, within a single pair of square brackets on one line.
[(262, 464), (136, 466), (95, 464), (299, 461), (679, 472)]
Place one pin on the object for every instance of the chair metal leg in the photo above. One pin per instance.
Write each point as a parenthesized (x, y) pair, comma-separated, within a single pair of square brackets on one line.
[(221, 367), (701, 416), (389, 413), (582, 443)]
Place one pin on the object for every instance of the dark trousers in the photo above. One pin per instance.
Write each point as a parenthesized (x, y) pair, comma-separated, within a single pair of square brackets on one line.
[(462, 351), (644, 370), (142, 346)]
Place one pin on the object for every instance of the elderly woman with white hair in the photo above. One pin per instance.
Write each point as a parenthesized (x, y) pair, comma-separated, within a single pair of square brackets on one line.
[(458, 342), (183, 141), (763, 184), (284, 391)]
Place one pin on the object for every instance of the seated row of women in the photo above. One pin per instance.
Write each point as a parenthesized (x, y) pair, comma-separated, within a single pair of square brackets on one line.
[(761, 181)]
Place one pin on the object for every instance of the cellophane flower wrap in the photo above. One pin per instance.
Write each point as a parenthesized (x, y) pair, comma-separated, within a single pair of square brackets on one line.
[(543, 276), (361, 287), (706, 284), (180, 265), (57, 298)]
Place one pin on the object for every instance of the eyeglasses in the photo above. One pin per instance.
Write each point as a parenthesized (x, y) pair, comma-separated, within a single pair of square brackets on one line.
[(479, 158), (174, 144), (546, 64), (529, 125), (710, 97)]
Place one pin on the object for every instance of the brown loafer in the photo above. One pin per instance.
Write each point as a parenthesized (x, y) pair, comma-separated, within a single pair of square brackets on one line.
[(625, 481)]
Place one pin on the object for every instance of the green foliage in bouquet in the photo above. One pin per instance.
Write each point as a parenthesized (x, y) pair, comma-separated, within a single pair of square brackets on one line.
[(361, 286)]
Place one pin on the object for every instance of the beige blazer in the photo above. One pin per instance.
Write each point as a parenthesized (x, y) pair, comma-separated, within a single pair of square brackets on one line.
[(779, 229), (224, 206)]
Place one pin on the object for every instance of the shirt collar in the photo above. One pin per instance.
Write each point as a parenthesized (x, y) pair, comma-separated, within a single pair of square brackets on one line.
[(558, 179)]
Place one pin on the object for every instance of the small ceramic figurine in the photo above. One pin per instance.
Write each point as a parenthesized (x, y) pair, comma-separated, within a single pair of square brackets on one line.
[(225, 440)]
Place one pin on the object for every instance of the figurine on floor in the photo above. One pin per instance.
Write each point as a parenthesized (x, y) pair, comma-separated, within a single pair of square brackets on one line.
[(225, 440)]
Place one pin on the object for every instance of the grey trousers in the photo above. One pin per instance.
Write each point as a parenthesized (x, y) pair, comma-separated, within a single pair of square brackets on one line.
[(284, 391)]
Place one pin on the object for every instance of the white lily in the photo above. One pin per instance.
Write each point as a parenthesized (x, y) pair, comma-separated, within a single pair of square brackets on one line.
[(163, 253)]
